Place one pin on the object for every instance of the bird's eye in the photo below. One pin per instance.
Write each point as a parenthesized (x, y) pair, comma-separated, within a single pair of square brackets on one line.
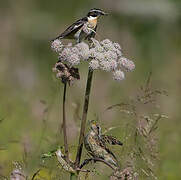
[(93, 14)]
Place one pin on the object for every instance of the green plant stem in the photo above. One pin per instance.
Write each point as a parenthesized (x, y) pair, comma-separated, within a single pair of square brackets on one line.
[(64, 124), (73, 176), (84, 118)]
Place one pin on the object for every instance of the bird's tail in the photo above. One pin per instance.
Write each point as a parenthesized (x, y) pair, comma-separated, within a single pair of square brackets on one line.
[(111, 161)]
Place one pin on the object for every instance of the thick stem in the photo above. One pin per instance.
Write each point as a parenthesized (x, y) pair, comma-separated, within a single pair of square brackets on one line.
[(84, 118), (73, 176), (64, 124)]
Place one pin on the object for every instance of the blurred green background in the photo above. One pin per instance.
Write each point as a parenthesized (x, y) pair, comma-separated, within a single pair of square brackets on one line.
[(149, 32)]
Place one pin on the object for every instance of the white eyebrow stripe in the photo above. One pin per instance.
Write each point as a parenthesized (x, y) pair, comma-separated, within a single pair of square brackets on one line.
[(95, 10)]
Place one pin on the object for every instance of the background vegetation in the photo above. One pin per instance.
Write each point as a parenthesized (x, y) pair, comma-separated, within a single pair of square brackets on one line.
[(149, 33)]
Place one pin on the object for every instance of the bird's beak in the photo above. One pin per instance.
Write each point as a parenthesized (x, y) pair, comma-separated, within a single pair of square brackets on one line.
[(105, 14)]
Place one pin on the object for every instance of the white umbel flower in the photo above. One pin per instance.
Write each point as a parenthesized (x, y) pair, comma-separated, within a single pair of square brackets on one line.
[(118, 75), (57, 45), (127, 64), (104, 55), (94, 64)]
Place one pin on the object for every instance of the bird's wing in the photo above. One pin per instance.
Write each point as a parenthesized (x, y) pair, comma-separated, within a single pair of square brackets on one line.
[(72, 28), (102, 143), (111, 140), (110, 152)]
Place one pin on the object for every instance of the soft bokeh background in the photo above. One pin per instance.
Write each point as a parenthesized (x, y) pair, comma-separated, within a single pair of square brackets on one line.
[(30, 108)]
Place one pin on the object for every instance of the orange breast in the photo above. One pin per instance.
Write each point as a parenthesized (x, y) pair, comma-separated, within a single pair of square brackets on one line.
[(93, 22)]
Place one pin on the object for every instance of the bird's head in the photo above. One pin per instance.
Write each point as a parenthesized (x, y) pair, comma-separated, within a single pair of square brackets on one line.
[(95, 13), (96, 128)]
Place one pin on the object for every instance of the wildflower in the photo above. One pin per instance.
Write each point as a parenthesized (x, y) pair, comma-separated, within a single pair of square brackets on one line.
[(104, 55), (57, 45), (105, 66), (73, 60), (94, 64), (83, 50), (113, 64), (110, 55), (118, 75), (107, 45), (117, 49), (117, 46), (96, 55), (105, 42), (99, 49), (70, 55), (127, 64), (64, 55)]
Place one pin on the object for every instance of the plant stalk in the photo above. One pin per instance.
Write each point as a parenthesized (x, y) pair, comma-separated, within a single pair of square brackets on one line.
[(84, 118), (73, 176), (64, 124)]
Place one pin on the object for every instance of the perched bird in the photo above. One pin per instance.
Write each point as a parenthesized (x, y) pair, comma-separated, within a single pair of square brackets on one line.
[(84, 28), (95, 144)]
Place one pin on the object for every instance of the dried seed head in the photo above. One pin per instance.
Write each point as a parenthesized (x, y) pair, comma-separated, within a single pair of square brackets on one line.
[(65, 73)]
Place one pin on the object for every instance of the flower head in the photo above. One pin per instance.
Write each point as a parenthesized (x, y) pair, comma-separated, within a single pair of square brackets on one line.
[(83, 50), (118, 75), (73, 59), (107, 45), (104, 55), (57, 45), (127, 64), (94, 64), (105, 66)]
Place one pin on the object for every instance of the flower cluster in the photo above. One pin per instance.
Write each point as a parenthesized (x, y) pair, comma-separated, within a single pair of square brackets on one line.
[(57, 45), (104, 55), (65, 73), (126, 173), (107, 56)]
